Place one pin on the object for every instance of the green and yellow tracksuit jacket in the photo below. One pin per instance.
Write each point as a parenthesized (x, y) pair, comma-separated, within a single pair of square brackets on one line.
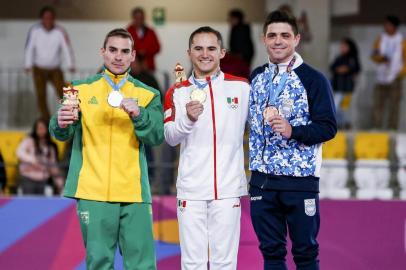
[(108, 160)]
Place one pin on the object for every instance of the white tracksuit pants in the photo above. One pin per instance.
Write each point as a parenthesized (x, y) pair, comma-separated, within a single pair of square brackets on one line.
[(209, 231)]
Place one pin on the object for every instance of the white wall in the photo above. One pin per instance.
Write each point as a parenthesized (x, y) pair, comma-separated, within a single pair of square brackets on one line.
[(314, 52), (87, 37)]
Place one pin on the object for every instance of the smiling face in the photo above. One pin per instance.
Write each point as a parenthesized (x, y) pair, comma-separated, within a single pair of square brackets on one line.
[(205, 53), (118, 54), (280, 42)]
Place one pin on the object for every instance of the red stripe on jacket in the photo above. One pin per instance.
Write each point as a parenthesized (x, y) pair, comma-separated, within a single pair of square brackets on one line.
[(168, 103)]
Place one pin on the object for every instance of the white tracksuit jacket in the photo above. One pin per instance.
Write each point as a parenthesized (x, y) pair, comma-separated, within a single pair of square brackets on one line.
[(211, 164)]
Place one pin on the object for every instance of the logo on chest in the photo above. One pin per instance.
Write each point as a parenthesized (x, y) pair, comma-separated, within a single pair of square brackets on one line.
[(93, 101), (286, 108), (232, 102)]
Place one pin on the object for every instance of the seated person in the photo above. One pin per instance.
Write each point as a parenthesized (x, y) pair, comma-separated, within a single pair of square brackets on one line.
[(38, 161)]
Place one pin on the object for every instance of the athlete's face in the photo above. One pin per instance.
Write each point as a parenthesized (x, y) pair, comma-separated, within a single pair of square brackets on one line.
[(118, 54), (205, 53), (280, 42)]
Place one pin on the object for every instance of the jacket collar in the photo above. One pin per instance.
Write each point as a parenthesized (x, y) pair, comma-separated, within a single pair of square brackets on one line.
[(115, 76)]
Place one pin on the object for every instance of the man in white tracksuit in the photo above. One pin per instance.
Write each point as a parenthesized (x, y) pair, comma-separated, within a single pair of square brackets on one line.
[(206, 115)]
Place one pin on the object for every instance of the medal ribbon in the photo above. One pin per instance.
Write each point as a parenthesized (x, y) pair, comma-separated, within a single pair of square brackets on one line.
[(201, 86), (116, 87), (274, 93)]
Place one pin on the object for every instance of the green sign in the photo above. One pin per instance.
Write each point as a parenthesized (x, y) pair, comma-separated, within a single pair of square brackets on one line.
[(158, 15)]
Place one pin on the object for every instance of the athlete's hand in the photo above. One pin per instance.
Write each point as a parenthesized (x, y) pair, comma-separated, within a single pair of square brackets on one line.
[(130, 106), (66, 116), (281, 125), (194, 109)]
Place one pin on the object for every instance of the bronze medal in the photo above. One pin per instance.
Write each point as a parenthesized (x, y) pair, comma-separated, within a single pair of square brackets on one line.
[(269, 112)]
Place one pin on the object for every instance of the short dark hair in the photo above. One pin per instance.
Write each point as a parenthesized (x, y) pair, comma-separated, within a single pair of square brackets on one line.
[(118, 32), (278, 16), (137, 10), (238, 14), (46, 9), (206, 29), (394, 20)]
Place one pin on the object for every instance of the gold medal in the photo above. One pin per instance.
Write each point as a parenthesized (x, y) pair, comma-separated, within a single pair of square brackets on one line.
[(198, 95), (269, 112)]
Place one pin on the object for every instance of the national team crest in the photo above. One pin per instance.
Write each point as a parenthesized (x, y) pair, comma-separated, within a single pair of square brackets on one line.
[(286, 108), (310, 207), (84, 217), (181, 205), (232, 102)]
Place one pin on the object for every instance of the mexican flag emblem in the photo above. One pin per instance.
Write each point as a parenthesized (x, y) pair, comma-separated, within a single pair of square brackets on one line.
[(181, 205), (232, 102)]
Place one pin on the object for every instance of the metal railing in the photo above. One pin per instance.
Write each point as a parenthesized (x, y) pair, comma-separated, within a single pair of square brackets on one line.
[(18, 105)]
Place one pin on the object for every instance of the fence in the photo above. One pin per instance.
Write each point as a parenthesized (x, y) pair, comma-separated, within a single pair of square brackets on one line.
[(18, 106)]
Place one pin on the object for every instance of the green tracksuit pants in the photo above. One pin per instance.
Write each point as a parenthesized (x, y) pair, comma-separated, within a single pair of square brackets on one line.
[(105, 224)]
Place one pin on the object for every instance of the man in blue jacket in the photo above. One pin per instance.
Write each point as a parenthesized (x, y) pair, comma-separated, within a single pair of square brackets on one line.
[(291, 114)]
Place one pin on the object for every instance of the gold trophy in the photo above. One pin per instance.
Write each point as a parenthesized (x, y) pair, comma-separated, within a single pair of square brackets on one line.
[(71, 98)]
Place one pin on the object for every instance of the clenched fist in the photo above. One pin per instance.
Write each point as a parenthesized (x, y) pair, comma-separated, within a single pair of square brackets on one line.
[(193, 110), (281, 125), (66, 116), (130, 106)]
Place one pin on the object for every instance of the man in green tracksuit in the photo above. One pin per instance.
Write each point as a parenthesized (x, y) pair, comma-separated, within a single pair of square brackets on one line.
[(108, 169)]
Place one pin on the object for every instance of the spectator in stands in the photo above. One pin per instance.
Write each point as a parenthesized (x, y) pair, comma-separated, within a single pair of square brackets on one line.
[(344, 69), (3, 178), (240, 36), (237, 60), (38, 160), (387, 55), (140, 72), (145, 39), (46, 44), (241, 47), (301, 21), (161, 178)]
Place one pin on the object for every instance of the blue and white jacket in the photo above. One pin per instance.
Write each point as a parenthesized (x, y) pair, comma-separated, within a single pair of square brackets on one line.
[(306, 102)]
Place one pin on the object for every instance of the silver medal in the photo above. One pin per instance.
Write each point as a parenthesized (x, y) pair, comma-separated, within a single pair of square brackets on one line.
[(114, 99)]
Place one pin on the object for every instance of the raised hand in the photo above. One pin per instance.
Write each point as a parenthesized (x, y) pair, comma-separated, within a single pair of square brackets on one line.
[(194, 109), (130, 106), (66, 116), (281, 125)]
